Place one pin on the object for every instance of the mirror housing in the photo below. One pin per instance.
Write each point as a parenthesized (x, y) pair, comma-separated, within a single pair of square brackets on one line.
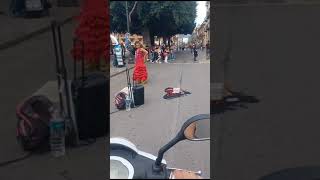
[(179, 137), (198, 130)]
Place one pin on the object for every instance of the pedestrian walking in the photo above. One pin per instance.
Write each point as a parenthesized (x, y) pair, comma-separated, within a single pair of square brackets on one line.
[(123, 51), (208, 50), (172, 55), (140, 74), (148, 50), (166, 54), (195, 53), (151, 56), (155, 54), (158, 54)]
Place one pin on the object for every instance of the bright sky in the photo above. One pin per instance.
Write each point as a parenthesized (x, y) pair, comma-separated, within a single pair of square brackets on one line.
[(201, 12)]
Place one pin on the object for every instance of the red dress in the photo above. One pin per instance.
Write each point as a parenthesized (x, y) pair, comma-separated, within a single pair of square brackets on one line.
[(140, 69)]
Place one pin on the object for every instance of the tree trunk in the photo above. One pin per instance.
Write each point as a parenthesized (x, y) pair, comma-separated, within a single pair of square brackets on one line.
[(146, 36), (165, 40), (152, 39)]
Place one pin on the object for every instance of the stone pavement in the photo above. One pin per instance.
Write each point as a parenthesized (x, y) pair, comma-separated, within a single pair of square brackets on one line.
[(15, 30), (275, 58), (30, 65), (153, 124)]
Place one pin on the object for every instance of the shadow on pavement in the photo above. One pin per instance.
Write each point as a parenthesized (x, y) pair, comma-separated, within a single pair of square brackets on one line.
[(234, 102)]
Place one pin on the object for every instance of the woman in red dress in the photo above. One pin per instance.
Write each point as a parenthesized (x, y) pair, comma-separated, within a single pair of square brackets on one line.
[(140, 74)]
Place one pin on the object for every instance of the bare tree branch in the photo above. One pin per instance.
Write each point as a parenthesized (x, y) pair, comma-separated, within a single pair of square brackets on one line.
[(134, 6)]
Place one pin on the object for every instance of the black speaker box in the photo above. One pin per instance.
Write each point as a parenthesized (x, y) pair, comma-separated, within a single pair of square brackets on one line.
[(91, 105), (138, 95)]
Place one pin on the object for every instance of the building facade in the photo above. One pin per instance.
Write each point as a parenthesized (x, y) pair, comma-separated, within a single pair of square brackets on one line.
[(133, 37), (201, 33)]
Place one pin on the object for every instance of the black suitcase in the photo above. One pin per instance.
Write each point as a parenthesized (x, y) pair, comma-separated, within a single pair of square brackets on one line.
[(138, 95), (137, 91), (90, 98)]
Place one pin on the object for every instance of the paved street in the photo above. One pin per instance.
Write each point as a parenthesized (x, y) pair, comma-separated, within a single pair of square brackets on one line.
[(275, 57), (24, 69), (155, 123), (15, 29)]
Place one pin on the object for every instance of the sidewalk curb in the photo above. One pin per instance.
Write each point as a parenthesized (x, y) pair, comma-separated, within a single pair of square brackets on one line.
[(12, 43), (266, 4)]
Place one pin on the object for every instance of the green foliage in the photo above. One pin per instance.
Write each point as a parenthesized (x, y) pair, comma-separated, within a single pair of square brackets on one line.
[(163, 18), (117, 16)]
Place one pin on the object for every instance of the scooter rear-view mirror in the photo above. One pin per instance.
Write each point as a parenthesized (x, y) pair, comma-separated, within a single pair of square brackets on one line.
[(197, 128)]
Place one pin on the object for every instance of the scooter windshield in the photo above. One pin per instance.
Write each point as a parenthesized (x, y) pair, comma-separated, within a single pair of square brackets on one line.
[(120, 168)]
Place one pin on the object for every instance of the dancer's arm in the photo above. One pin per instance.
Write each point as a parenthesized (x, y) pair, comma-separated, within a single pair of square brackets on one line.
[(145, 52)]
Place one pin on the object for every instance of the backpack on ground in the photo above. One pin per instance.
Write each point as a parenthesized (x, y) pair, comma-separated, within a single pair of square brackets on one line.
[(120, 100), (34, 115)]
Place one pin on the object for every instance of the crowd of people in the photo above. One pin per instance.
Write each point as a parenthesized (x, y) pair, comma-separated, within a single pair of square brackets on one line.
[(161, 54), (155, 54)]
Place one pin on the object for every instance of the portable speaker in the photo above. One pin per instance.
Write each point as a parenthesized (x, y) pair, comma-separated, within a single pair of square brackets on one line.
[(138, 95), (90, 101)]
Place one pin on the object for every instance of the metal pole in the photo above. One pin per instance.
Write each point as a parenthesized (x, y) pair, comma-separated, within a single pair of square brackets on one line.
[(130, 61), (128, 29)]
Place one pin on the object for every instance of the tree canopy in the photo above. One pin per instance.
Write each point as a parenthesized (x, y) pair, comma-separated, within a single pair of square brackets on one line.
[(162, 18)]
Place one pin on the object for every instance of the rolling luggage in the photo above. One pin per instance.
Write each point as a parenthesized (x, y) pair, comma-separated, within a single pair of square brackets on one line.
[(65, 104), (137, 91), (90, 98)]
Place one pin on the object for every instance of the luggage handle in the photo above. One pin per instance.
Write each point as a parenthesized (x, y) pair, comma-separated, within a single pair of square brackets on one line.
[(62, 75), (58, 70), (75, 40), (64, 71), (130, 87)]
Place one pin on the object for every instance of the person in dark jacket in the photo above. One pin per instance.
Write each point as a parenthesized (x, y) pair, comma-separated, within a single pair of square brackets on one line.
[(195, 53)]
